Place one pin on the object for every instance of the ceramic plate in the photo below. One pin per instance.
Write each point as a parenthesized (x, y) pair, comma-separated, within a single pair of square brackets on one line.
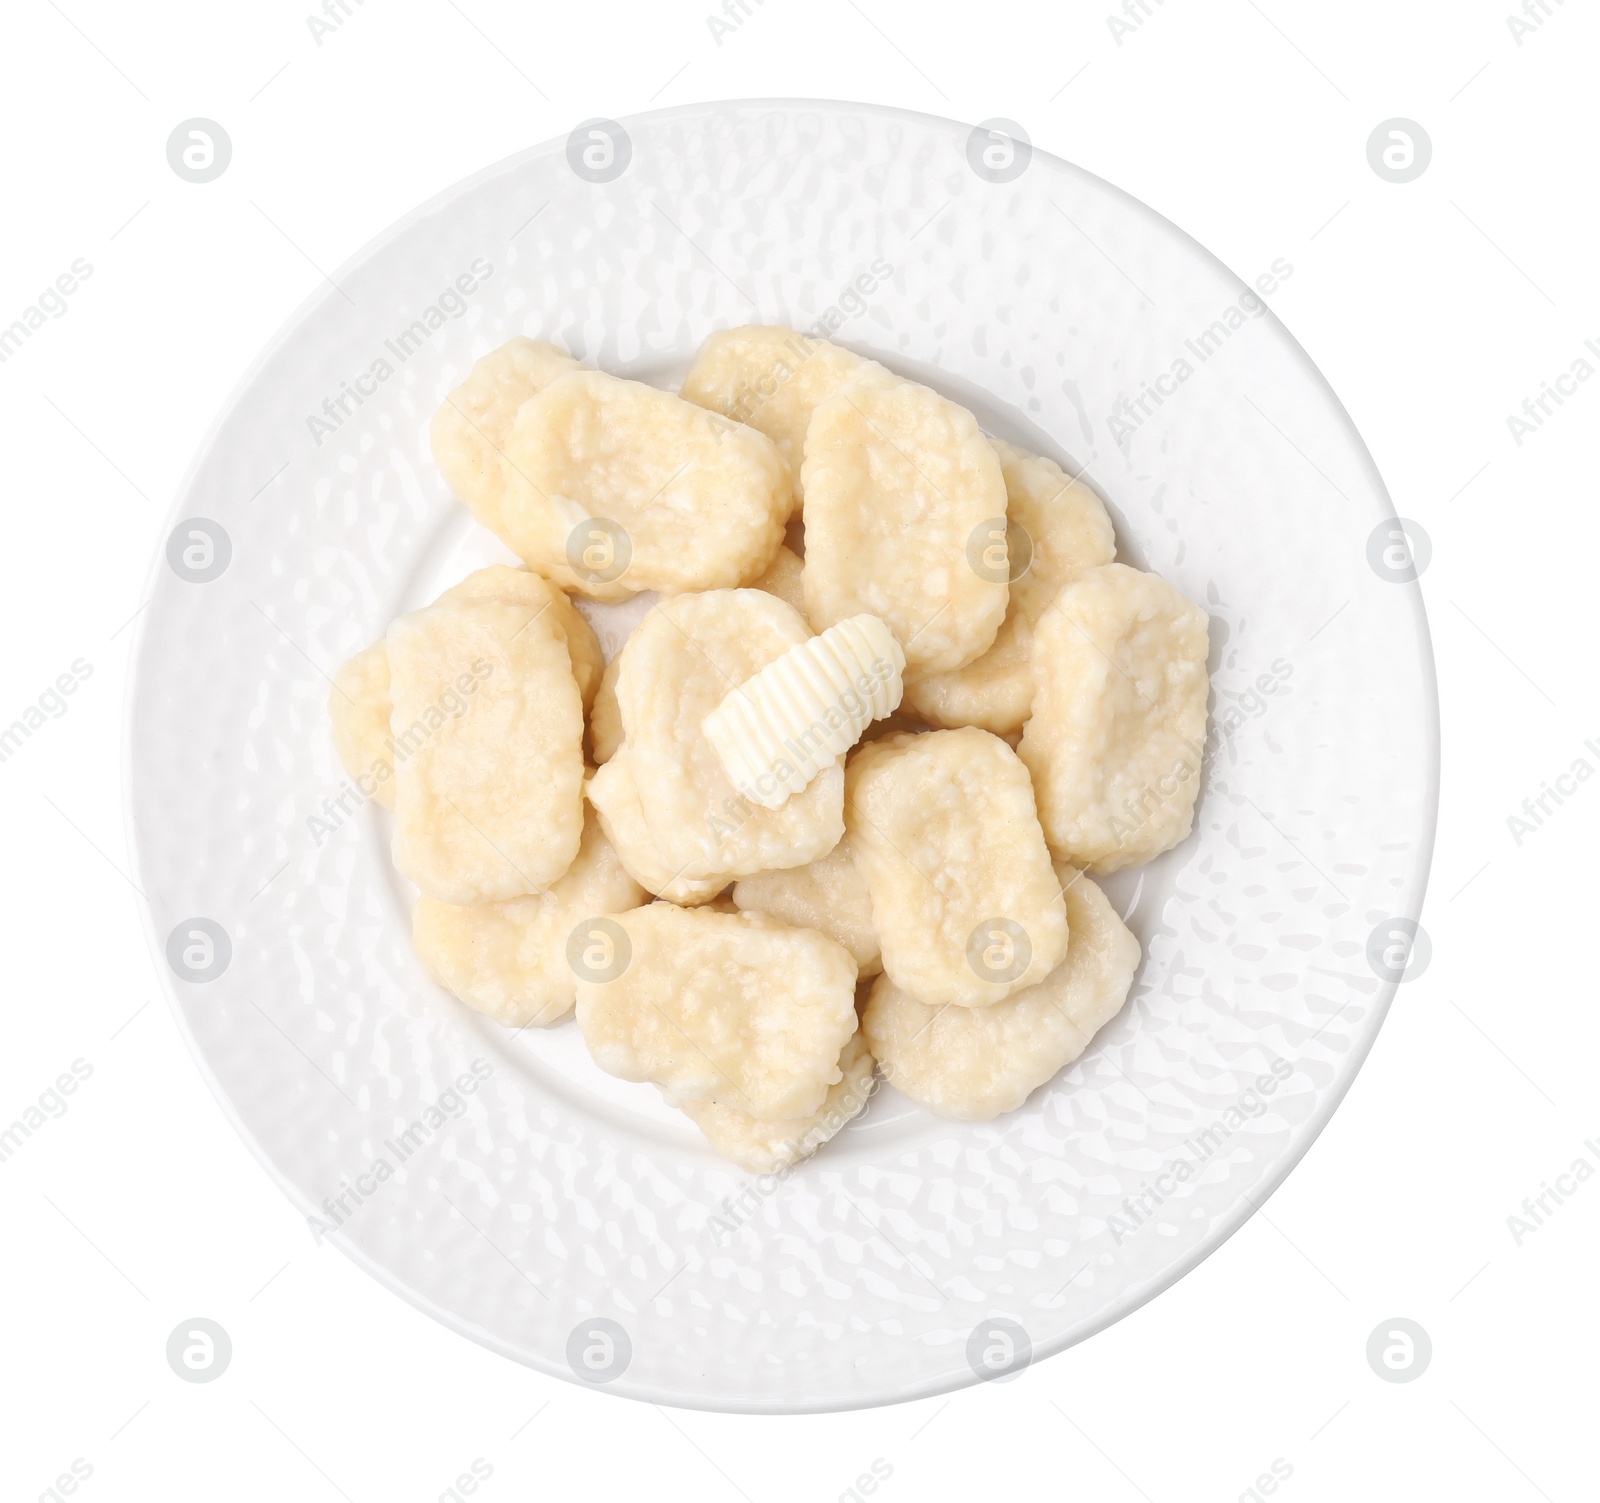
[(571, 1221)]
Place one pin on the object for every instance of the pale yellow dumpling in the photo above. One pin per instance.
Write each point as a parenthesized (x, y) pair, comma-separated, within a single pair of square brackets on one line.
[(899, 484), (767, 1147), (1117, 734), (973, 1063), (615, 798), (469, 430), (964, 903), (359, 709), (731, 1008), (1062, 528), (488, 796), (772, 379), (510, 960), (828, 894), (783, 579), (676, 668), (613, 487)]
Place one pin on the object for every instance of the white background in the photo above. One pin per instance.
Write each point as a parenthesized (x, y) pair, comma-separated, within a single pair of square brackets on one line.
[(1434, 308)]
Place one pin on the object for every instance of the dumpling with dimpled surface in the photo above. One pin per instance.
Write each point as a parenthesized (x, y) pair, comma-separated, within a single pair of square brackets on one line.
[(899, 482), (730, 1008), (509, 960), (613, 487), (677, 667), (468, 432), (1117, 734), (964, 902), (1063, 527), (827, 894), (973, 1063), (768, 1147), (488, 797), (360, 704), (773, 379)]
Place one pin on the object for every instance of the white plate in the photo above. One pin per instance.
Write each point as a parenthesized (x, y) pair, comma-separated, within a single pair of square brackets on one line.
[(552, 1199)]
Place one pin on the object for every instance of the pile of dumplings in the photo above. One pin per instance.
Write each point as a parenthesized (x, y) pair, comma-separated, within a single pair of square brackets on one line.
[(918, 904)]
